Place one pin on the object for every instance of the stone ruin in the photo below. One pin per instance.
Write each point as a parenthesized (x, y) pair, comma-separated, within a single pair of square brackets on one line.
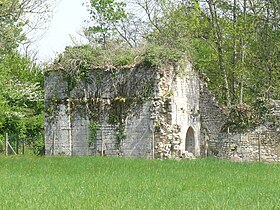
[(136, 111), (261, 144)]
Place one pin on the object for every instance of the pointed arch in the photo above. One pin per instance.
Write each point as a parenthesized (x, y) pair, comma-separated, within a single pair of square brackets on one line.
[(190, 141)]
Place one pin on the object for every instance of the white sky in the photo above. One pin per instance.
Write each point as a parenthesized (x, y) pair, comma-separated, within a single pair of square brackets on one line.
[(68, 19)]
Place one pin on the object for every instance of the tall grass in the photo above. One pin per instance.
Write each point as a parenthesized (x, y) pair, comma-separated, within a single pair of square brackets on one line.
[(116, 183)]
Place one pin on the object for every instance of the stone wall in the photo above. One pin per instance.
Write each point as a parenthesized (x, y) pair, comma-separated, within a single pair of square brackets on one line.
[(263, 146), (113, 100), (273, 117), (57, 121), (213, 118), (135, 112), (175, 112), (146, 112)]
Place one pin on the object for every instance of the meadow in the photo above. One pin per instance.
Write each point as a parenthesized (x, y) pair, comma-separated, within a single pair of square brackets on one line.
[(118, 183)]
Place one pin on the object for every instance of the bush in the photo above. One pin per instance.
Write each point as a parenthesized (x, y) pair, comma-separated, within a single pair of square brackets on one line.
[(160, 55), (123, 57), (38, 146), (80, 58), (243, 117)]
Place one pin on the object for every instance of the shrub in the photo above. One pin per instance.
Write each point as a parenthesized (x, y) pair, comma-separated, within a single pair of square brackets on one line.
[(160, 55)]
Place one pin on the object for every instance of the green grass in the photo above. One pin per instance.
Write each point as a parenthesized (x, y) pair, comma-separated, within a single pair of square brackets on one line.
[(116, 183)]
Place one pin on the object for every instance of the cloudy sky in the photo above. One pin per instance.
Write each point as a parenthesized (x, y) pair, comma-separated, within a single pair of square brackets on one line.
[(68, 19)]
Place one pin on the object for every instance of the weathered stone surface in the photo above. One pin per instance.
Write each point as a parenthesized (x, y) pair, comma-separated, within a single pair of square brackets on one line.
[(254, 146), (134, 109), (176, 111), (212, 120), (147, 112)]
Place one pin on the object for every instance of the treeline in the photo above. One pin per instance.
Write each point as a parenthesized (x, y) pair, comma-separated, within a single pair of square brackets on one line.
[(21, 79), (235, 44)]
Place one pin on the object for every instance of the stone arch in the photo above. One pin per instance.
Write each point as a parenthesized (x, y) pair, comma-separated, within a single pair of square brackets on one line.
[(190, 141)]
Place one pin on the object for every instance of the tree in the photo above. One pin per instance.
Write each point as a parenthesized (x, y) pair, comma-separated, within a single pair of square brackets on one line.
[(236, 43), (11, 27), (19, 19), (105, 14), (21, 81), (21, 94)]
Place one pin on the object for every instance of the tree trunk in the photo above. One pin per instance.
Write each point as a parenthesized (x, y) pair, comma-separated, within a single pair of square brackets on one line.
[(234, 60), (219, 44)]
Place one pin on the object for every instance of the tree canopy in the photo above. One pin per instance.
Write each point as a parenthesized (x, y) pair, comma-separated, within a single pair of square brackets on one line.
[(235, 44), (21, 80)]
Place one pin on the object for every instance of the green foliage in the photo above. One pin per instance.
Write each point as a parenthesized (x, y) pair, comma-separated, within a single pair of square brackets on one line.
[(38, 145), (19, 18), (123, 58), (237, 48), (243, 117), (21, 80), (21, 93), (117, 183), (93, 127), (107, 10), (76, 60), (161, 55), (176, 27), (10, 25), (148, 90), (120, 135), (2, 143), (105, 14), (236, 45), (245, 48)]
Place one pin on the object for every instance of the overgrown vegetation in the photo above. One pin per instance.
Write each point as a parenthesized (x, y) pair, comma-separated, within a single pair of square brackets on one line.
[(116, 183), (235, 44), (77, 60), (21, 79), (243, 117), (21, 105), (93, 129)]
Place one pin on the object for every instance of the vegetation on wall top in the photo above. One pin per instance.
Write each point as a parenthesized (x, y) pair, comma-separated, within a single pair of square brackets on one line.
[(82, 58), (235, 44)]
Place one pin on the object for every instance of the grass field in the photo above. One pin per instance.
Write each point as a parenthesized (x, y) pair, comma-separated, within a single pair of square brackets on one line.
[(116, 183)]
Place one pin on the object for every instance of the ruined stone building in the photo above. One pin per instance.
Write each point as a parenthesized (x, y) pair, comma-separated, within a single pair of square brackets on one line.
[(146, 112)]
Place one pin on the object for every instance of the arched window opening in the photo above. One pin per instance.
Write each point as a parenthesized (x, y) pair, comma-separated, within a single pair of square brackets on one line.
[(190, 142)]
